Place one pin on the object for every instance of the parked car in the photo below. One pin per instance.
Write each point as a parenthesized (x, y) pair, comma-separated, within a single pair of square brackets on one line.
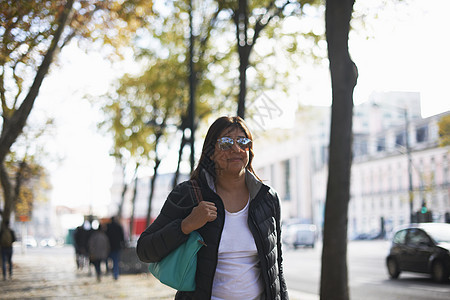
[(421, 248), (48, 242), (29, 242), (299, 235), (366, 236)]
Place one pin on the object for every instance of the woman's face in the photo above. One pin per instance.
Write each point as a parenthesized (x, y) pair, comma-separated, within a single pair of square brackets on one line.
[(234, 160)]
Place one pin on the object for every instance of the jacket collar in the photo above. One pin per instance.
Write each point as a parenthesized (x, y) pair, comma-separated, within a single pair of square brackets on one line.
[(253, 184)]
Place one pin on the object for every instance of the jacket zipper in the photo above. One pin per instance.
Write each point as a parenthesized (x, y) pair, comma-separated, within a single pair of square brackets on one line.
[(260, 248), (220, 237)]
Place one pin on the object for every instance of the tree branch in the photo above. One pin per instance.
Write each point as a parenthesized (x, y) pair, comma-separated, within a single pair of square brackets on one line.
[(208, 34), (19, 118), (259, 26)]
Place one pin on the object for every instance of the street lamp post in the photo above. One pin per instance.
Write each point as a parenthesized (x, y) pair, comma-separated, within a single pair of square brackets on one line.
[(409, 158), (408, 154)]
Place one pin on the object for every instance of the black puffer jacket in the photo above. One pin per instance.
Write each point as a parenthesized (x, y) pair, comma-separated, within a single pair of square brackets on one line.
[(164, 235)]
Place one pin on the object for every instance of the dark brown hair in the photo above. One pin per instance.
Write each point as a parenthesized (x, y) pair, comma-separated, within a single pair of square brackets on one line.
[(216, 128)]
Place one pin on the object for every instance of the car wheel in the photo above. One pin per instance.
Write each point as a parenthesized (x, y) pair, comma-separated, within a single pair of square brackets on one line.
[(393, 269), (438, 272)]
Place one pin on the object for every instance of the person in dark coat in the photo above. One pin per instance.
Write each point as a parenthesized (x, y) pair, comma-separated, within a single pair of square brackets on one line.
[(81, 238), (7, 238), (80, 246), (98, 247), (239, 221), (116, 236)]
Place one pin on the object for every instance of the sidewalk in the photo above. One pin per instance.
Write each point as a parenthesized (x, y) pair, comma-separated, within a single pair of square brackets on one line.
[(50, 273)]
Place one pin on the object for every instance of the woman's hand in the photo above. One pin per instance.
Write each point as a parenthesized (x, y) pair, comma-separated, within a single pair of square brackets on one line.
[(204, 212)]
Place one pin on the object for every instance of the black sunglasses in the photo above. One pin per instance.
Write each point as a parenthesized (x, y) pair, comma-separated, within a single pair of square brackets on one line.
[(225, 143)]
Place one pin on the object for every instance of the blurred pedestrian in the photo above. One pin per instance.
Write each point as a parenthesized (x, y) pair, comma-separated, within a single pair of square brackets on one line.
[(7, 238), (116, 237), (78, 245), (81, 237), (98, 246)]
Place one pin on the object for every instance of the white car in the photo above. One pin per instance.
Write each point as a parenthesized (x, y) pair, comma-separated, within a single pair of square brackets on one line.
[(29, 242), (299, 235)]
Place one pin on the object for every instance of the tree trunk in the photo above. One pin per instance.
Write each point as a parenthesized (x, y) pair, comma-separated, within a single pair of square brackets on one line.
[(122, 196), (192, 89), (7, 193), (180, 154), (155, 174), (133, 204), (244, 49), (152, 189), (334, 275), (244, 54), (12, 192), (245, 43), (12, 127)]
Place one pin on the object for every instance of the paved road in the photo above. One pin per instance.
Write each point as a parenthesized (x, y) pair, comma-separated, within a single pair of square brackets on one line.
[(368, 277)]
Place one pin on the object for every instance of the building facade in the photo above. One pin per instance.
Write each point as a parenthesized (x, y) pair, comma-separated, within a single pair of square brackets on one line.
[(391, 144), (395, 182)]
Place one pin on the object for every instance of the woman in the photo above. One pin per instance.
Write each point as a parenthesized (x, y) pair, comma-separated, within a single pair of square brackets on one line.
[(239, 221)]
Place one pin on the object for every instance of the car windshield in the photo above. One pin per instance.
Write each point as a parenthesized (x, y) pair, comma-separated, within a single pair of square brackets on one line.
[(441, 234)]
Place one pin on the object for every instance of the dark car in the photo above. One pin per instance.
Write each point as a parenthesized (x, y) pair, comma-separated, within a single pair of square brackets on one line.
[(421, 248)]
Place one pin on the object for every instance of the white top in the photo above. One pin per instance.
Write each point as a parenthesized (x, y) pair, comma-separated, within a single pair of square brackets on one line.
[(238, 274)]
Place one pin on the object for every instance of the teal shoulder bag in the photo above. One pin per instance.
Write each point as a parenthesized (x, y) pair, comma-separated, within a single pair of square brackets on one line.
[(178, 268)]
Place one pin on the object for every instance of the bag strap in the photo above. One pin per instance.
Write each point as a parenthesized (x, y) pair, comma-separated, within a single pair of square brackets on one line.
[(197, 190), (199, 198)]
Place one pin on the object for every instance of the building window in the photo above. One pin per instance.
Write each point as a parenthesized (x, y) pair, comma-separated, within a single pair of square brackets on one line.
[(372, 178), (363, 149), (359, 147), (390, 179), (400, 139), (381, 144), (387, 115), (287, 180), (324, 155), (433, 172), (422, 134), (445, 179)]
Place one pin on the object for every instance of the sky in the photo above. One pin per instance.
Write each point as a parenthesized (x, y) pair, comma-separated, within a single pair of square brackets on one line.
[(404, 49), (407, 51), (82, 173)]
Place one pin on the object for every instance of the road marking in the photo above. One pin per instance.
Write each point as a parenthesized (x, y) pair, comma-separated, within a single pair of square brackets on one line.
[(366, 281), (430, 289), (293, 294)]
